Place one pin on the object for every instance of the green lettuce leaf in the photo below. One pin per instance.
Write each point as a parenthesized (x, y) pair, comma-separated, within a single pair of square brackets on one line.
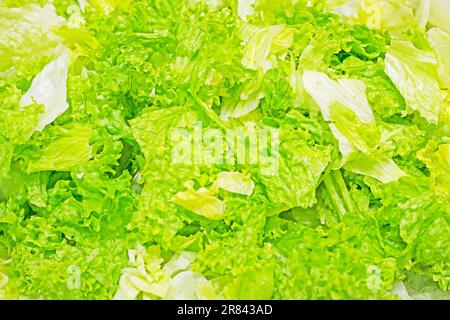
[(264, 46), (438, 11), (201, 202), (49, 89), (66, 152), (235, 182), (105, 191), (440, 41), (437, 159), (353, 125)]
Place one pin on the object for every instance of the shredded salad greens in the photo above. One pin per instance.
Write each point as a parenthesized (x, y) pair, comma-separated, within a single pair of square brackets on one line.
[(92, 205)]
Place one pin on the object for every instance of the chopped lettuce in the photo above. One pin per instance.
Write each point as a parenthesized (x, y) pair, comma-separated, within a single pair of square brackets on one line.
[(265, 45), (49, 88), (440, 42), (393, 15), (201, 202), (143, 276), (235, 182), (438, 12), (122, 126), (353, 124), (437, 159), (414, 73), (66, 152)]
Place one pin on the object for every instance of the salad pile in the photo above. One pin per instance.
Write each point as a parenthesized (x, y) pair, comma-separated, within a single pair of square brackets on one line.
[(354, 93)]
